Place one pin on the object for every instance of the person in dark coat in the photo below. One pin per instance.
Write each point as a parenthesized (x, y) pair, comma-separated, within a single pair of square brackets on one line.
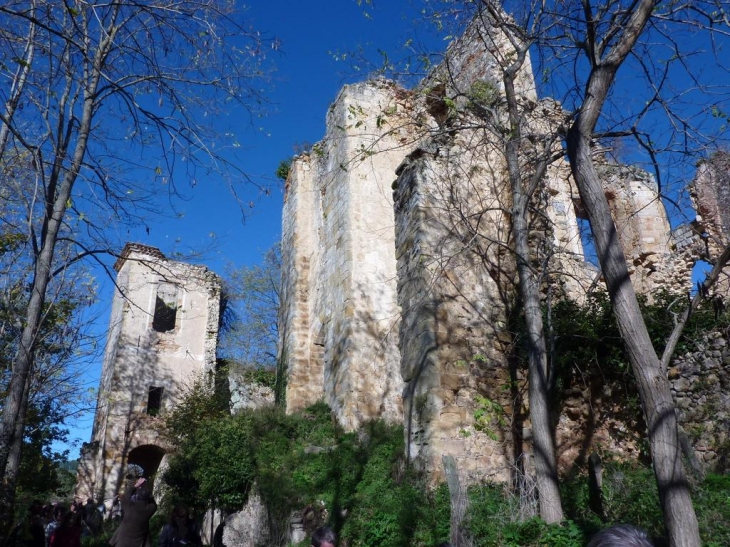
[(30, 532), (138, 506), (181, 530), (68, 531)]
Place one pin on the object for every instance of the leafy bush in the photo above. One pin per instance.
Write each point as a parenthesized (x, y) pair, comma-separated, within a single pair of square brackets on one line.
[(391, 505), (301, 461), (282, 171), (360, 484), (630, 496)]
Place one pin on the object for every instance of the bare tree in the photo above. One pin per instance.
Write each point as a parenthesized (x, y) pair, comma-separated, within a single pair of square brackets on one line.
[(252, 336), (606, 34), (609, 33), (110, 102), (528, 153)]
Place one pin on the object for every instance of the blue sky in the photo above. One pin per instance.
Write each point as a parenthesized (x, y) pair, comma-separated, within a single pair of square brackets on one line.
[(308, 71), (306, 78)]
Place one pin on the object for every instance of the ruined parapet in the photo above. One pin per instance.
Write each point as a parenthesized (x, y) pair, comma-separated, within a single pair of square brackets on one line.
[(477, 56), (162, 335), (339, 312), (455, 281), (644, 230), (640, 218)]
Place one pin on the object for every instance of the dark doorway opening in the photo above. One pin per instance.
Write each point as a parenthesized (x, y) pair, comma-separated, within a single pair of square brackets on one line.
[(148, 457)]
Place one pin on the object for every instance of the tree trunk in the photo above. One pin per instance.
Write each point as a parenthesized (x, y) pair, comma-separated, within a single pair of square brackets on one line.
[(546, 468), (656, 398), (12, 470)]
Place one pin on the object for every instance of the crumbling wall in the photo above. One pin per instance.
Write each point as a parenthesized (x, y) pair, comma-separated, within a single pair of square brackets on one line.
[(710, 193), (644, 230), (700, 379), (453, 291), (455, 282), (138, 358), (339, 304)]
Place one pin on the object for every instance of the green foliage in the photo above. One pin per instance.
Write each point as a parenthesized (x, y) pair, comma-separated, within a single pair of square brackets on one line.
[(102, 540), (488, 514), (390, 505), (303, 460), (488, 413), (712, 505), (200, 405), (629, 495), (41, 473), (490, 523), (282, 171), (372, 498), (660, 321), (484, 95), (54, 389)]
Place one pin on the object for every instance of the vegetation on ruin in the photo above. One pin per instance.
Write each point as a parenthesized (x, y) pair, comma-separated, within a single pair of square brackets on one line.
[(360, 483), (586, 350)]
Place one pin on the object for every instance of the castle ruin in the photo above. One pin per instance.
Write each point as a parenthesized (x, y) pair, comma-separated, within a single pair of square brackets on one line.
[(398, 274), (162, 335)]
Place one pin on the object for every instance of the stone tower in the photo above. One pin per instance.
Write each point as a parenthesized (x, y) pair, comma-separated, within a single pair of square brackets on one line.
[(398, 277), (162, 334)]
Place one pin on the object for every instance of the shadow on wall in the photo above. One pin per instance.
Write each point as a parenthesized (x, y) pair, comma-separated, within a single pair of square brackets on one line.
[(361, 371), (463, 394), (130, 414)]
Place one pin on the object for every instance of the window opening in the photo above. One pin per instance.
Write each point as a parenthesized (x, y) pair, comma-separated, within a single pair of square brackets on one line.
[(154, 400), (699, 273), (586, 238), (165, 308)]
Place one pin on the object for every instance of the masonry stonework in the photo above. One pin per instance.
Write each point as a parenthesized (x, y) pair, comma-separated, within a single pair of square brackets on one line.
[(162, 335), (397, 306), (340, 317)]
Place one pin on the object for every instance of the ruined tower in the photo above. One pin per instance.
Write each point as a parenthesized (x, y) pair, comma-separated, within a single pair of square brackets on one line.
[(398, 278), (162, 334)]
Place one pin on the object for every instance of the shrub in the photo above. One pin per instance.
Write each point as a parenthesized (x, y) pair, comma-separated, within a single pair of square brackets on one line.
[(712, 505)]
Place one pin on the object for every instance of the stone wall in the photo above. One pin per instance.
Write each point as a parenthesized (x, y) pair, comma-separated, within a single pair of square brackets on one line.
[(162, 335), (644, 230), (700, 379), (454, 284), (398, 307), (339, 313)]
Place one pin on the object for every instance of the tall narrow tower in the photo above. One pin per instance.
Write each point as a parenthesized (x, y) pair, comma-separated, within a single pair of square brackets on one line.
[(162, 335)]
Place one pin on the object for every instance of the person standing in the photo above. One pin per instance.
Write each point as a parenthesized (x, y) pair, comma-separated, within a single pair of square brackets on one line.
[(181, 530), (115, 514), (68, 531), (138, 506), (30, 532)]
